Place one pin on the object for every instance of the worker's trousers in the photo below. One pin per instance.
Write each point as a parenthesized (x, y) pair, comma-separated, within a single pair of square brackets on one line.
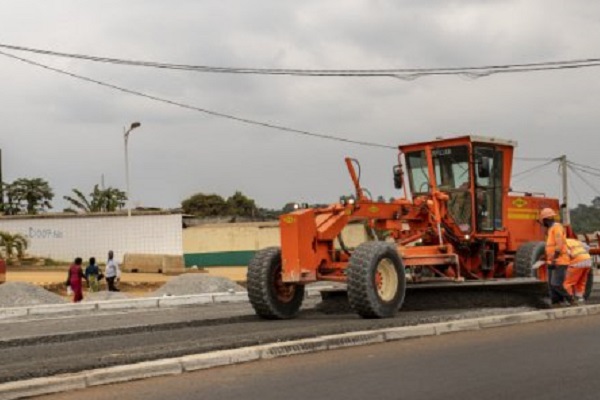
[(556, 279), (576, 280), (111, 284)]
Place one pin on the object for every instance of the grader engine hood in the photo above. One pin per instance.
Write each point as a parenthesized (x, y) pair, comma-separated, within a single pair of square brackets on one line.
[(298, 232)]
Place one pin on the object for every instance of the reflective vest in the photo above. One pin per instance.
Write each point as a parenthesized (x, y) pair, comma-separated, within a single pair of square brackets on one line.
[(578, 254), (555, 232)]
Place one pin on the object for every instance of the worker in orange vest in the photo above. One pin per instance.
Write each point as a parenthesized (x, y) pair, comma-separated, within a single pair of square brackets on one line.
[(557, 258), (578, 270)]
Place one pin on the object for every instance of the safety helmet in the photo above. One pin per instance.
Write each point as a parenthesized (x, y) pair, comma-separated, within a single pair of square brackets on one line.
[(547, 213)]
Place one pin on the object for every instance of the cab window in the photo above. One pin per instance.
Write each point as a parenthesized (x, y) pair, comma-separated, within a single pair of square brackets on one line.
[(488, 186), (451, 165), (418, 174)]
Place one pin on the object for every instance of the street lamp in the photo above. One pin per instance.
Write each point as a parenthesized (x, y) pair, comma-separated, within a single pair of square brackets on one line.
[(126, 137)]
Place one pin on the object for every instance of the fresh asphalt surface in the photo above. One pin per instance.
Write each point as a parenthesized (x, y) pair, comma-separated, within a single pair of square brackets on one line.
[(48, 346), (545, 361)]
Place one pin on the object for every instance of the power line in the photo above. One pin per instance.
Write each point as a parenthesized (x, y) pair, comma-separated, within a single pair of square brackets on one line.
[(199, 109), (400, 73), (585, 171), (537, 167), (589, 173), (576, 172), (584, 166), (575, 191), (534, 159)]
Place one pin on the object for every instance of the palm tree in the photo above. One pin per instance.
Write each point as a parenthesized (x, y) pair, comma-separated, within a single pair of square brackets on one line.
[(11, 243), (31, 195), (79, 201), (113, 199), (100, 200), (11, 206)]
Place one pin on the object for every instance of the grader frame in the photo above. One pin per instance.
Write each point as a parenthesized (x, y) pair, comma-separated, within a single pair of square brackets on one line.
[(461, 222)]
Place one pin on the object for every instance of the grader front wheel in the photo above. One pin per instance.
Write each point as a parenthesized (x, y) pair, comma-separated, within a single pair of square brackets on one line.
[(270, 297), (527, 255), (376, 280)]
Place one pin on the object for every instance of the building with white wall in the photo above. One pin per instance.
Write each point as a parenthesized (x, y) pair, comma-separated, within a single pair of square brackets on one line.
[(63, 237)]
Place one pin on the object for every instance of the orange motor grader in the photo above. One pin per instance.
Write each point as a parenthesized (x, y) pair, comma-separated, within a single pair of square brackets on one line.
[(462, 222)]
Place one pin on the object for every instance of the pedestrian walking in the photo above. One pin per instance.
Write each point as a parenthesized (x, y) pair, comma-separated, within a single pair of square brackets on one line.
[(74, 279), (579, 269), (557, 258), (93, 275), (112, 272)]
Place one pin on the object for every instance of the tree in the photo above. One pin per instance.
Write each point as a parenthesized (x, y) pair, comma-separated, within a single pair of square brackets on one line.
[(11, 206), (205, 205), (585, 219), (596, 202), (28, 195), (11, 244), (100, 200), (242, 206)]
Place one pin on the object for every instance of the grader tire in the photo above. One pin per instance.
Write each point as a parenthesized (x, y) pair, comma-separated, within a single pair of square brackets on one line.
[(376, 280), (527, 255), (270, 297)]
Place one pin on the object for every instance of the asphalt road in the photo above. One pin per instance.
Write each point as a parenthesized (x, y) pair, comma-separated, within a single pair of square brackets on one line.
[(52, 346), (545, 361)]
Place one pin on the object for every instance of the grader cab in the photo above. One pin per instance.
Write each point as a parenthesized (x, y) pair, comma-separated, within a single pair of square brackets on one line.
[(458, 220)]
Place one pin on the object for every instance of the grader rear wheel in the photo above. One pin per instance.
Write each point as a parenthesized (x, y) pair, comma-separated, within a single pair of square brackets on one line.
[(376, 280), (270, 297)]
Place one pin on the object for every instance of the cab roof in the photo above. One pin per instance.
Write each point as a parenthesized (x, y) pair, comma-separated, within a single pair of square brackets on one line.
[(470, 138)]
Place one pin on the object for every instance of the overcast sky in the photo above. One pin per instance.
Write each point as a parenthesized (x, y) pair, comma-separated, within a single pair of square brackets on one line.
[(71, 133)]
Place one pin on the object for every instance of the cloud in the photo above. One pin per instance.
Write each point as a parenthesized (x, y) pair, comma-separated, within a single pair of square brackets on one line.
[(70, 132)]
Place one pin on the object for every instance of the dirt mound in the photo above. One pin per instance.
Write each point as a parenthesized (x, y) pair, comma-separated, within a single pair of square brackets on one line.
[(16, 294), (197, 284)]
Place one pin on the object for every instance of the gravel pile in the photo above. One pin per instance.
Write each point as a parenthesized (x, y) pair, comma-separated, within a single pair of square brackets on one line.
[(15, 294), (197, 284), (104, 295)]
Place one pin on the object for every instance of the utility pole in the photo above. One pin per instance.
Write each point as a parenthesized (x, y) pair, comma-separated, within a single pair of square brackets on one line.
[(566, 217)]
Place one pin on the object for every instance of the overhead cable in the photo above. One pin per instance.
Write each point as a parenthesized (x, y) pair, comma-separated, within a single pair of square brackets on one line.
[(533, 158), (400, 73), (584, 166), (585, 171), (574, 189), (537, 167), (576, 172), (199, 109)]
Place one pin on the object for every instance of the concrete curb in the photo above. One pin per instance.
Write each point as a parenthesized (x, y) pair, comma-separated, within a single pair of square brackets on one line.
[(175, 366), (134, 304)]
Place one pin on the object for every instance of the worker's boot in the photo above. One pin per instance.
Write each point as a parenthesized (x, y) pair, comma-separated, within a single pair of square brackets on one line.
[(580, 300)]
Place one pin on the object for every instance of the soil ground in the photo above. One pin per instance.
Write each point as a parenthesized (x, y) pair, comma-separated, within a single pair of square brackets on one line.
[(134, 284)]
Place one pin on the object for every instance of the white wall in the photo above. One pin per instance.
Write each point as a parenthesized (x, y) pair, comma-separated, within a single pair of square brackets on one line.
[(92, 236)]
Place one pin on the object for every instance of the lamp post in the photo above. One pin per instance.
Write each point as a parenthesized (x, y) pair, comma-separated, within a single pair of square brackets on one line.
[(126, 137)]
